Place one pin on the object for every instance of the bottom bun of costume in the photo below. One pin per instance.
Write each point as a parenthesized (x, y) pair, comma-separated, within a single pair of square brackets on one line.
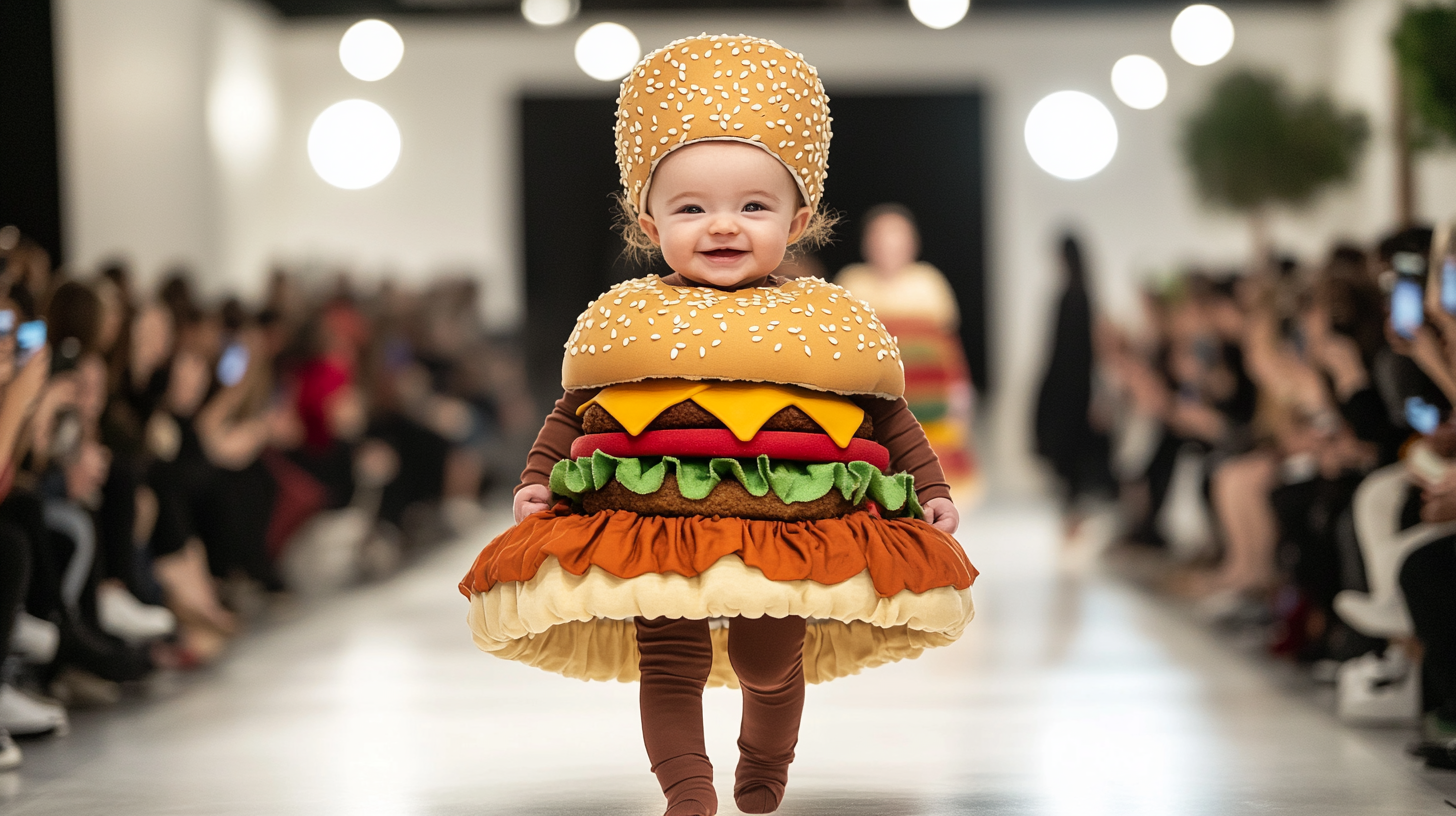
[(560, 590)]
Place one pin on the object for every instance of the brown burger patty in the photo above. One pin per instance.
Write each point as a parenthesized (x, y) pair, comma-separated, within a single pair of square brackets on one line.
[(689, 414), (728, 499)]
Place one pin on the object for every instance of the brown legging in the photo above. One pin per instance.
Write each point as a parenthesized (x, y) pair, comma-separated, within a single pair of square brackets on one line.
[(767, 654)]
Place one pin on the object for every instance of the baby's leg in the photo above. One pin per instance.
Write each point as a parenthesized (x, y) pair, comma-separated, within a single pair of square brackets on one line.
[(677, 656), (768, 657)]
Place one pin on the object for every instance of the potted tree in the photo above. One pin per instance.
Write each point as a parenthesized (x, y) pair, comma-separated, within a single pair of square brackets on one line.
[(1254, 146), (1425, 53)]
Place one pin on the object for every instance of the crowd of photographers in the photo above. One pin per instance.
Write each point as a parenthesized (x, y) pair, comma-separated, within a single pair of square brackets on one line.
[(1302, 414), (169, 466)]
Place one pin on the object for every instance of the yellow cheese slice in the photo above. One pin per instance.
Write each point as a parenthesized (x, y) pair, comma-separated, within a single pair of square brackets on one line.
[(743, 407), (635, 405)]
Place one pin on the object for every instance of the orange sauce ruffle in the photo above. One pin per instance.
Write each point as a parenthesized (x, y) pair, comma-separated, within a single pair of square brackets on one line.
[(899, 554)]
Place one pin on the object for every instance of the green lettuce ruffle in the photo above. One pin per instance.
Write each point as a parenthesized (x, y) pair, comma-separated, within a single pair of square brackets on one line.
[(790, 481)]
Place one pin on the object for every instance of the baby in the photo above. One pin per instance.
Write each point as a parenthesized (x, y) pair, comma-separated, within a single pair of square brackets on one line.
[(733, 458)]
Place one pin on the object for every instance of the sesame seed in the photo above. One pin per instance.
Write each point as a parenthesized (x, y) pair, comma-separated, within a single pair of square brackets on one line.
[(717, 342), (723, 326), (836, 355), (702, 352), (682, 345), (756, 338), (778, 346), (808, 351), (656, 337), (673, 355)]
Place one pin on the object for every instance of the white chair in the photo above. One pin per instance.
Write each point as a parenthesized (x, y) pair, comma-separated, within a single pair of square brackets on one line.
[(1384, 546)]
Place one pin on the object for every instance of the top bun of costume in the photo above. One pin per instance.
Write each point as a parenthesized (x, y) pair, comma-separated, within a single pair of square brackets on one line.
[(740, 88), (807, 333)]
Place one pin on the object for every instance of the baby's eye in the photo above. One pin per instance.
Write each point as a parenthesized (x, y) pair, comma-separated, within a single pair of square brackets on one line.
[(754, 206), (691, 208)]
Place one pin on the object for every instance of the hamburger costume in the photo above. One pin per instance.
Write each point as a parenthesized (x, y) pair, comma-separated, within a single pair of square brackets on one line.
[(738, 478)]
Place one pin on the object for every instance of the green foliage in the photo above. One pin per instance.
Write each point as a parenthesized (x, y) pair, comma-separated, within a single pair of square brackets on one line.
[(1253, 144), (1425, 50)]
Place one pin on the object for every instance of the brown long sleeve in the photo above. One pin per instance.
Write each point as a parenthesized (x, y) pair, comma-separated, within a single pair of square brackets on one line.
[(553, 443), (897, 429)]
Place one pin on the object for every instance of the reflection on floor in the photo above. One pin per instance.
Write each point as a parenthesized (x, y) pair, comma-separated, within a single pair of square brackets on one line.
[(1070, 695)]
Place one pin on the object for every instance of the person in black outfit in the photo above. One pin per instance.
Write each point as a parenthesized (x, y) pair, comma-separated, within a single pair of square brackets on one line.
[(1077, 451)]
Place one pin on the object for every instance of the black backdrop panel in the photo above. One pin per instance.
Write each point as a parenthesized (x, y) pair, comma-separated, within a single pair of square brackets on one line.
[(30, 182), (924, 151), (921, 150)]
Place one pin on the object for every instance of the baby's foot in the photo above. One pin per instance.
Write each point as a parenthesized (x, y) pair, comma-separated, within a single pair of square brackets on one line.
[(759, 798), (691, 807), (692, 797)]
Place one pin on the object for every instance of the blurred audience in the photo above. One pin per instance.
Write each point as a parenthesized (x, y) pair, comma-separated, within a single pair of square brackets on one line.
[(1305, 411), (169, 466)]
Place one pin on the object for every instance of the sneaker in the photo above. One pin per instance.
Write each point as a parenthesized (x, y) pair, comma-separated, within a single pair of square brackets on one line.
[(1376, 689), (10, 756), (24, 715), (34, 640), (122, 615)]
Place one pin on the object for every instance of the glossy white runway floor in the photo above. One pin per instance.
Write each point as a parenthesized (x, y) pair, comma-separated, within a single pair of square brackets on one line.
[(1070, 695)]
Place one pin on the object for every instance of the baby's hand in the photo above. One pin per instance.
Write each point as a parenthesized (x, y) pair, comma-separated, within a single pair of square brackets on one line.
[(941, 513), (532, 498)]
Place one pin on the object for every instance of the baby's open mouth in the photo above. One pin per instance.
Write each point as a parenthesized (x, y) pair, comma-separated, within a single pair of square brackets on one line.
[(725, 254)]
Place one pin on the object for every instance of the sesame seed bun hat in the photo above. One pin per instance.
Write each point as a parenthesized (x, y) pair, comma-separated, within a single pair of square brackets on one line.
[(721, 87)]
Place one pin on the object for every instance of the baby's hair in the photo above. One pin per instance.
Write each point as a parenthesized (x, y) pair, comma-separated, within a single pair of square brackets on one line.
[(640, 249)]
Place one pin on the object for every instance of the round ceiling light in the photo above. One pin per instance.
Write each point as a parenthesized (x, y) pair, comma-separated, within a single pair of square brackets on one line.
[(940, 13), (1203, 34), (1071, 135), (371, 50), (353, 144), (1139, 82), (607, 51), (549, 12)]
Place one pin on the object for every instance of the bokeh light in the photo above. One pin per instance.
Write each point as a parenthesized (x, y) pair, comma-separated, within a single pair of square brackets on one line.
[(1139, 82), (549, 12), (371, 50), (940, 13), (353, 144), (1071, 135), (607, 51), (1203, 34)]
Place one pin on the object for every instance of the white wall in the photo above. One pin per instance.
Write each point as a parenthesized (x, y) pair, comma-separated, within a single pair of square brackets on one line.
[(452, 200), (146, 88)]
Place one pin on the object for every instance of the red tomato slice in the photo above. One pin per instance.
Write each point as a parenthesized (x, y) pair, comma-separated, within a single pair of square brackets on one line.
[(710, 442)]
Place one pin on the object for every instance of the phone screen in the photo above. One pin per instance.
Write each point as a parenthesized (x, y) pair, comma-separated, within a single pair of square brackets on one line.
[(233, 364), (1421, 415), (1407, 311), (30, 337)]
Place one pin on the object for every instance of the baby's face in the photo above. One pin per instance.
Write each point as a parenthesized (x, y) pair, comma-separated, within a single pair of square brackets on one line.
[(723, 212)]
